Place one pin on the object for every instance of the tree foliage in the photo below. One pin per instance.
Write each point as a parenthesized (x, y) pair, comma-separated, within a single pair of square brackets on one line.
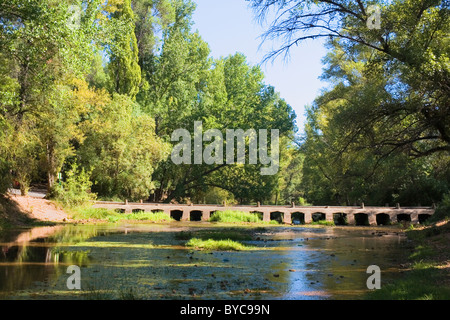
[(380, 132), (403, 66), (103, 84), (96, 96)]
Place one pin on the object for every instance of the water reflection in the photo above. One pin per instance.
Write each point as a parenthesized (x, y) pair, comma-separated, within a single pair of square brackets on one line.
[(34, 255), (289, 263), (337, 267)]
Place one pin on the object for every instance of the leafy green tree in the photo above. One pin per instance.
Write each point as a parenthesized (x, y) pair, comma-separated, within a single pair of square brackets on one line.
[(124, 68), (410, 48), (107, 91), (348, 166), (58, 129), (289, 185), (75, 190), (41, 52), (173, 76), (151, 18), (23, 155), (121, 150), (387, 107), (231, 96)]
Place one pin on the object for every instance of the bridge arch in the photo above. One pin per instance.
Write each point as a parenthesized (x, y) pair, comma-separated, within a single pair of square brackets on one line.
[(403, 217), (277, 216), (340, 219), (383, 219), (177, 215), (423, 217), (195, 215), (318, 216), (259, 214), (298, 218), (362, 219)]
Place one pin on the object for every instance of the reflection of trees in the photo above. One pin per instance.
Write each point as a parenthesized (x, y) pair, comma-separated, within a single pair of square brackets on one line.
[(17, 249), (79, 258), (22, 265), (34, 255), (71, 234)]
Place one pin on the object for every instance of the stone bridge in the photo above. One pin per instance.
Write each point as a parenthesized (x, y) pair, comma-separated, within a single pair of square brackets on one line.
[(357, 215)]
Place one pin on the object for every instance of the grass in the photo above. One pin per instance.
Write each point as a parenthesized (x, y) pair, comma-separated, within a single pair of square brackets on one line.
[(323, 223), (230, 216), (274, 222), (422, 252), (423, 282), (217, 245), (88, 213), (217, 240), (429, 275), (146, 216)]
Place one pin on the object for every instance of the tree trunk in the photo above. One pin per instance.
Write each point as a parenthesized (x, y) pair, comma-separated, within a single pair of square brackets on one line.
[(51, 180), (51, 174), (23, 190)]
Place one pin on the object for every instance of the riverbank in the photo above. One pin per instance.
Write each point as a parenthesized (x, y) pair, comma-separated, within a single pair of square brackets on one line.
[(22, 211), (427, 270)]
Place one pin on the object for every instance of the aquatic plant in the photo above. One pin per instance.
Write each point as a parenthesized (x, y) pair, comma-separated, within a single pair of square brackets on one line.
[(218, 245)]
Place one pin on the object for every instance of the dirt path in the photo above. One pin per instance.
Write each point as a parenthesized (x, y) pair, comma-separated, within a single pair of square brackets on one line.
[(39, 209)]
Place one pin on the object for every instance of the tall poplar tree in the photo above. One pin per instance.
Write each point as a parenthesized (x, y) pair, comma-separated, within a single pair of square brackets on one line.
[(125, 72)]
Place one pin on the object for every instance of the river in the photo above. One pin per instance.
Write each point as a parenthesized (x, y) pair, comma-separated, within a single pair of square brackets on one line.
[(151, 261)]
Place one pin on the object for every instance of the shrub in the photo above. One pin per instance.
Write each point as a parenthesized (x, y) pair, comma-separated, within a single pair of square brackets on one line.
[(442, 210), (85, 213), (76, 190), (114, 216), (234, 216), (159, 216)]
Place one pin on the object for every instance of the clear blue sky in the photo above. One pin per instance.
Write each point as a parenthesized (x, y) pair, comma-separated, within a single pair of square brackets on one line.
[(229, 26)]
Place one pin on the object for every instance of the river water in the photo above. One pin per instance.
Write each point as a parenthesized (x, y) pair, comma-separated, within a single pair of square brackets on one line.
[(151, 261)]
